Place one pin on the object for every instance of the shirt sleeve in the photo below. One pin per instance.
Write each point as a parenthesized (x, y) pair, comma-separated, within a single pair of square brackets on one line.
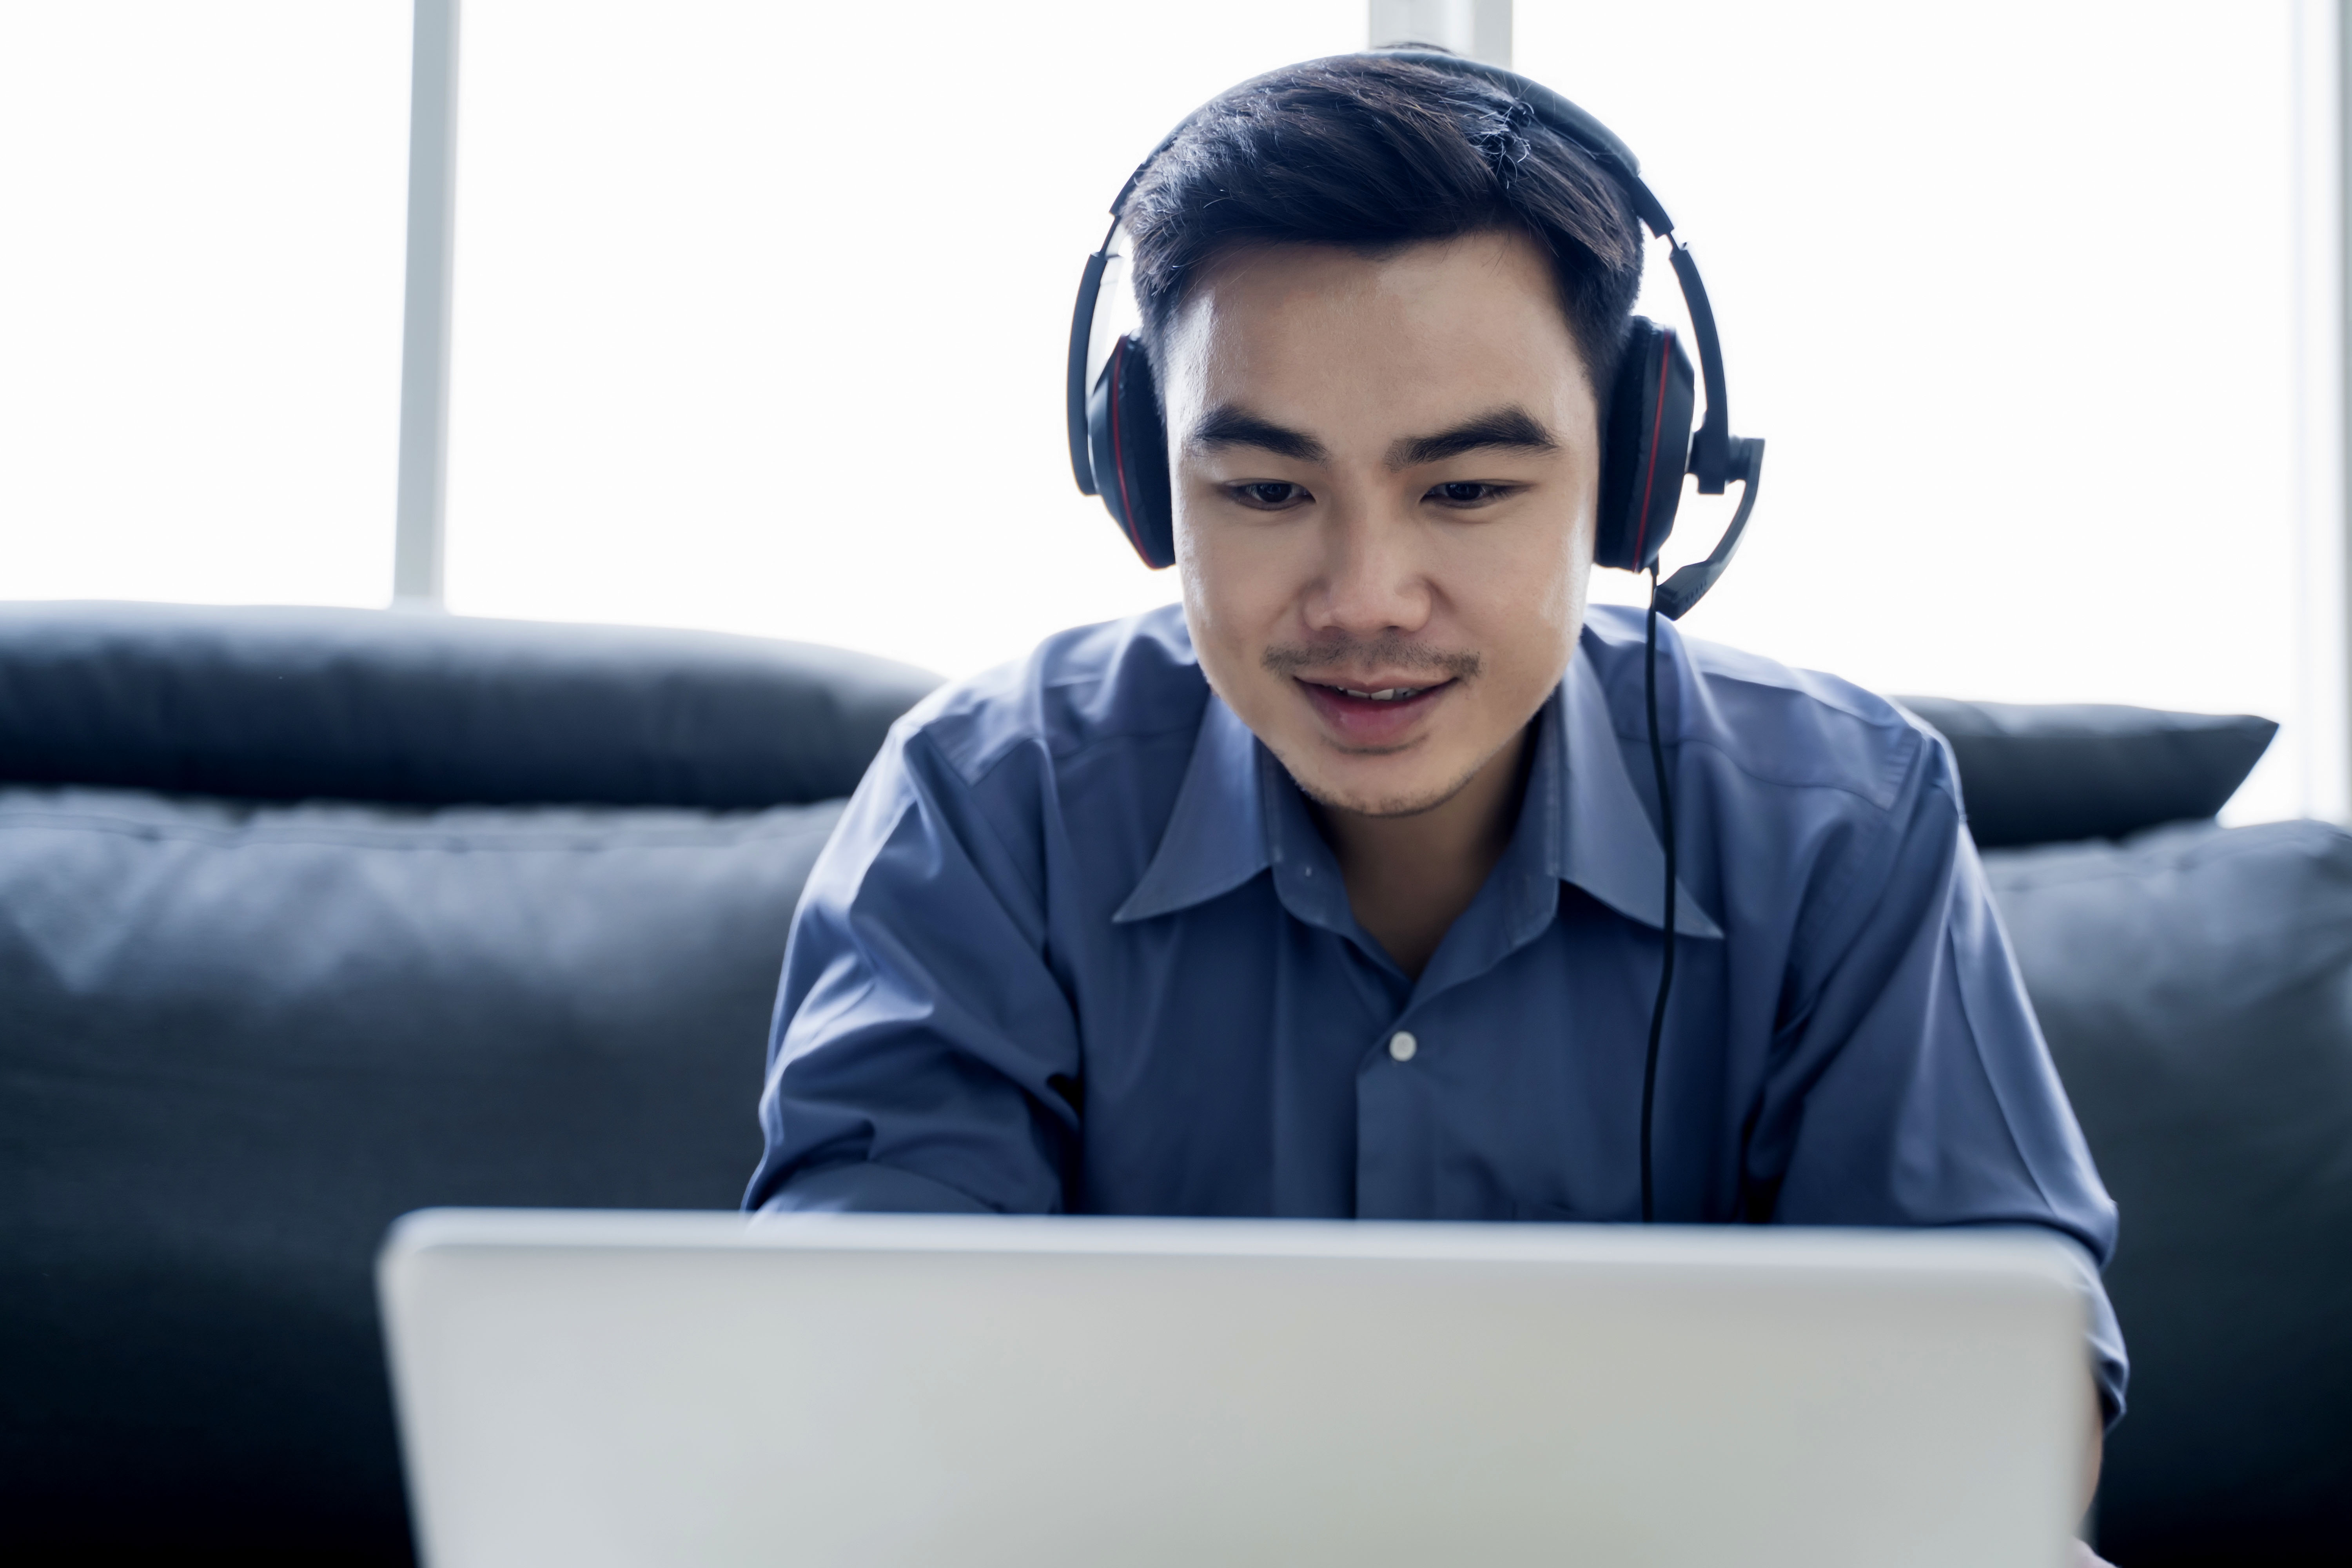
[(1910, 1084), (922, 1055)]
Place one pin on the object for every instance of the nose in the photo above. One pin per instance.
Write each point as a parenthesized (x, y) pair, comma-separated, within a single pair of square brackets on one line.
[(1374, 579)]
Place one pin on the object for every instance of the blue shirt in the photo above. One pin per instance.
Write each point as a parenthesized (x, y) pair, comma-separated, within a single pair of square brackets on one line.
[(1078, 945)]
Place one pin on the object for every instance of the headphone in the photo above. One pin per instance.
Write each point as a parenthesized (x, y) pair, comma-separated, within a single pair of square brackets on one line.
[(1118, 445), (1118, 450)]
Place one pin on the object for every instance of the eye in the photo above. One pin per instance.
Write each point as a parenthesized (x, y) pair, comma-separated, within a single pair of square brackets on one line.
[(1270, 495), (1466, 493)]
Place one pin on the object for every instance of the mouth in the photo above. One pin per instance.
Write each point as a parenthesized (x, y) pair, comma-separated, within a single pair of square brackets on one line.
[(1372, 716)]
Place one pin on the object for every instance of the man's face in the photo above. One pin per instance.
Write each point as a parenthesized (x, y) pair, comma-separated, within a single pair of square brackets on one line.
[(1384, 474)]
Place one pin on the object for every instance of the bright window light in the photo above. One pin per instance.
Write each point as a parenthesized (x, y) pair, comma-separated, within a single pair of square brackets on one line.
[(200, 297), (2008, 288), (761, 311)]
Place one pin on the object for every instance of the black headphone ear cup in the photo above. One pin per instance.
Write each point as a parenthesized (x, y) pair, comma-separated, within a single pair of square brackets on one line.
[(1644, 448), (1127, 446)]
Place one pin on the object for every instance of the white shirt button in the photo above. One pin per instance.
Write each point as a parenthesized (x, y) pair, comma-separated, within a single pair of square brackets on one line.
[(1402, 1045)]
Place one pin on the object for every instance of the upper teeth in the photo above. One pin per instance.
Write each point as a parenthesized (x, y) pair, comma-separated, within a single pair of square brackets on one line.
[(1389, 695)]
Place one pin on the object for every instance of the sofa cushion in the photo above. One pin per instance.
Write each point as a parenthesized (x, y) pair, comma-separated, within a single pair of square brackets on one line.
[(2045, 773), (296, 704), (235, 1041), (2196, 986)]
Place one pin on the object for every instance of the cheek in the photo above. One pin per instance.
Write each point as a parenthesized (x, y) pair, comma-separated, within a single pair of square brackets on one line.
[(1576, 579), (1543, 633), (1238, 581), (1199, 573), (1570, 575), (1531, 601), (1229, 606)]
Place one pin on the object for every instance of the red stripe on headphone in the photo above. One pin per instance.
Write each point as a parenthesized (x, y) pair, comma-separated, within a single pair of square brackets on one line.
[(1119, 455), (1657, 422)]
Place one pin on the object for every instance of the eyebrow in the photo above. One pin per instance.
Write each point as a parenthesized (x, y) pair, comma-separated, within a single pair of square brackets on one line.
[(1230, 426), (1509, 426)]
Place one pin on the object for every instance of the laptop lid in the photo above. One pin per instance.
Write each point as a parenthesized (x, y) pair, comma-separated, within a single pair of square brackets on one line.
[(585, 1388)]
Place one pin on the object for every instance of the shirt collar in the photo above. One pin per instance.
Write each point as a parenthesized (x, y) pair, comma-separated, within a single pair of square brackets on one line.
[(1216, 838), (1592, 828), (1600, 834)]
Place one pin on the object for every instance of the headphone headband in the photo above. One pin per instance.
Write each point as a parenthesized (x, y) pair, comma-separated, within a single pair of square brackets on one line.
[(1594, 139)]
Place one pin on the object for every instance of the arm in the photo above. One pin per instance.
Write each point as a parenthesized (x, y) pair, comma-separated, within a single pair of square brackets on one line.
[(920, 1045), (1910, 1083)]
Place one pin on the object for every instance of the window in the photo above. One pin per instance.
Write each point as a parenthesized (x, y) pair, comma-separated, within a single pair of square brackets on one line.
[(2010, 291), (200, 297), (761, 311)]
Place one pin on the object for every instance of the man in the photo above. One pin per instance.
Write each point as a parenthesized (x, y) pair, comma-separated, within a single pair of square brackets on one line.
[(1340, 893)]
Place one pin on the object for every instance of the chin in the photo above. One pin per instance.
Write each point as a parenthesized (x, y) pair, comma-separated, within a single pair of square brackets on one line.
[(1408, 793)]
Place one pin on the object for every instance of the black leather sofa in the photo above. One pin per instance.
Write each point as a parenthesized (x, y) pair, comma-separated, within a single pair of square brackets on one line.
[(311, 917)]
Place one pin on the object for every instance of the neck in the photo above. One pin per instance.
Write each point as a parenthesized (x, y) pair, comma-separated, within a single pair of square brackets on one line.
[(1410, 878)]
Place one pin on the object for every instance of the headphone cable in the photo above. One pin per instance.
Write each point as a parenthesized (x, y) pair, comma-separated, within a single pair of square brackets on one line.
[(1666, 960)]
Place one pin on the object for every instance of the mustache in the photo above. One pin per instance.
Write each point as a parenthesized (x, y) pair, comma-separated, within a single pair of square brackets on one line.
[(1388, 651)]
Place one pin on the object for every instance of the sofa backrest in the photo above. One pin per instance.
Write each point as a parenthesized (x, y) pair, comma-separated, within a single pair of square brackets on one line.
[(2196, 986), (432, 709)]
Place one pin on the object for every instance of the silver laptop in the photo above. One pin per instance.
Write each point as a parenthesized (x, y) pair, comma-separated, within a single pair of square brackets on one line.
[(820, 1391)]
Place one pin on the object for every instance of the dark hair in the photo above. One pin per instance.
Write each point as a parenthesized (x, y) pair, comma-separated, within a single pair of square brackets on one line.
[(1372, 151)]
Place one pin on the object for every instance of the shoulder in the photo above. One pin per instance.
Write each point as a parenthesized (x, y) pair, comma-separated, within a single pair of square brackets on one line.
[(1080, 690), (1778, 728)]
